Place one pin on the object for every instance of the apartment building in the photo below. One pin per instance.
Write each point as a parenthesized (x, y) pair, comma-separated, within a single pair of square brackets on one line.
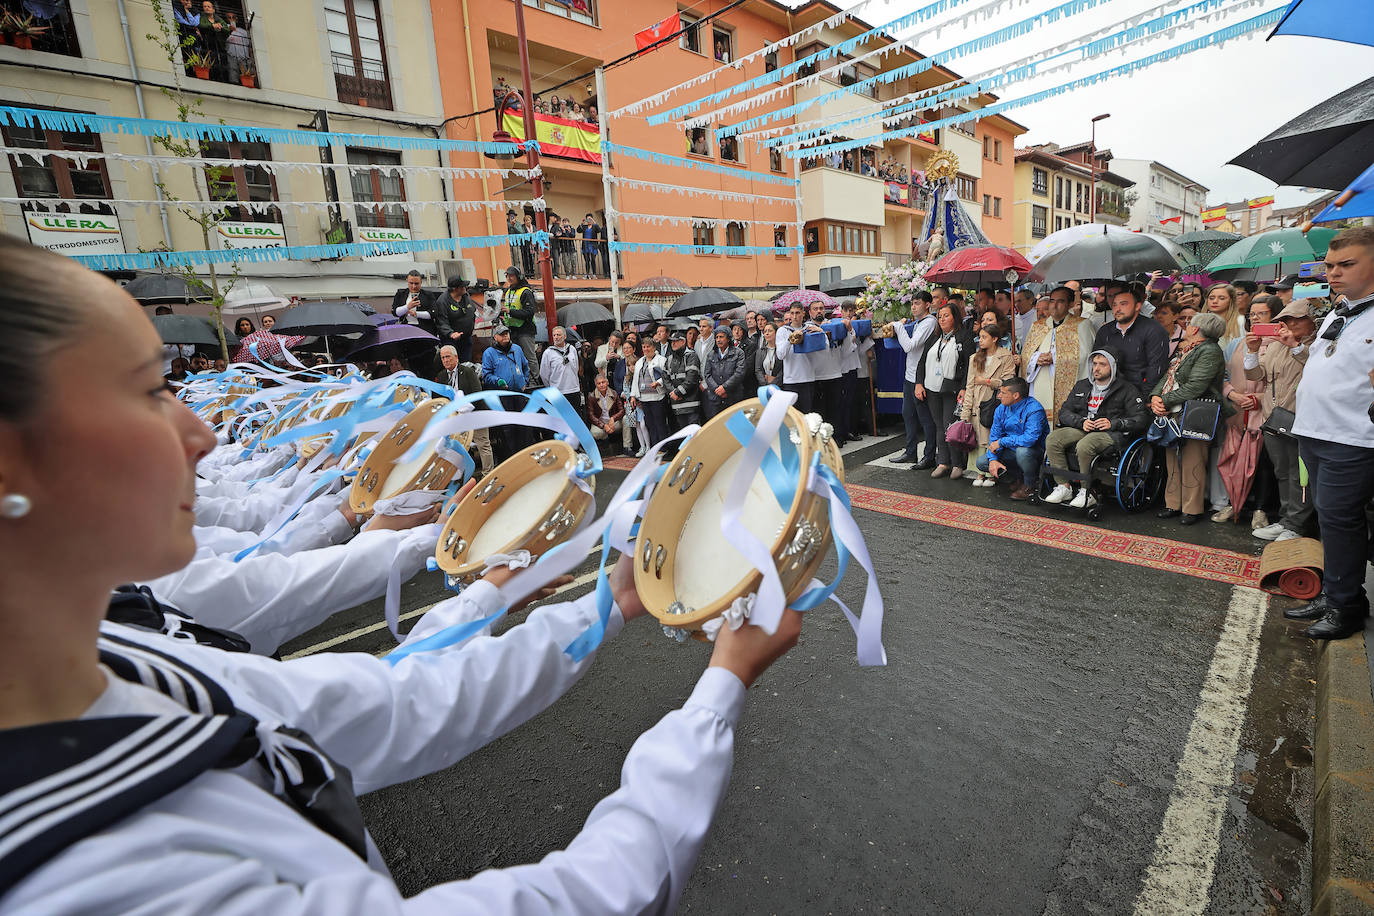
[(1061, 186), (356, 66), (1164, 194), (1247, 217)]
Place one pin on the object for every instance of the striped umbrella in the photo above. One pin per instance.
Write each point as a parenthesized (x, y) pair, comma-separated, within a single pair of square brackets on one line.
[(658, 289)]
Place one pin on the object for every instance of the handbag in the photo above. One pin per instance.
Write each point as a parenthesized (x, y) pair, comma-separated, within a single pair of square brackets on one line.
[(986, 412), (961, 434), (1199, 419), (1163, 431), (1279, 423)]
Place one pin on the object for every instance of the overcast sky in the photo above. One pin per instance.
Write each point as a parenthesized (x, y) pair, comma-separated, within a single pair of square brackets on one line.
[(1193, 113)]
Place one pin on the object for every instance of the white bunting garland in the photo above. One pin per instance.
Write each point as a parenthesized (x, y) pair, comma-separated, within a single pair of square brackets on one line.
[(262, 207), (701, 192)]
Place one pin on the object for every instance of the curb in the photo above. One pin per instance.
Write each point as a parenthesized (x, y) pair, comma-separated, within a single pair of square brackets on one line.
[(1343, 819)]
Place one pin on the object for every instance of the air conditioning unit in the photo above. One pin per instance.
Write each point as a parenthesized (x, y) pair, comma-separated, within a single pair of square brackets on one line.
[(460, 267), (830, 275)]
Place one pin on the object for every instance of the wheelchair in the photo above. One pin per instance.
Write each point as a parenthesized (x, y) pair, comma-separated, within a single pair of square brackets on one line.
[(1133, 476)]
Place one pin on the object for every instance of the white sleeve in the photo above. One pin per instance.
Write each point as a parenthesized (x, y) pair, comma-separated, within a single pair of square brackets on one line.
[(782, 342), (270, 599), (1251, 360), (907, 341)]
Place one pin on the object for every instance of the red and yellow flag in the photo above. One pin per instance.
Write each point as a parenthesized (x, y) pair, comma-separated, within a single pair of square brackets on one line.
[(1260, 202), (558, 136), (1213, 214)]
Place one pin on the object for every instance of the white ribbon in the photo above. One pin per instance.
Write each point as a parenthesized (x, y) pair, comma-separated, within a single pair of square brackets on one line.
[(516, 559), (411, 502)]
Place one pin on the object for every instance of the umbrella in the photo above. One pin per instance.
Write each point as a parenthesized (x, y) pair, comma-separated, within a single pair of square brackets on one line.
[(641, 313), (1206, 244), (313, 319), (253, 299), (803, 296), (1280, 250), (541, 331), (1068, 235), (1339, 20), (1324, 147), (657, 289), (188, 329), (1102, 257), (1239, 458), (850, 286), (976, 265), (1356, 200), (399, 340), (707, 300), (576, 313), (163, 289)]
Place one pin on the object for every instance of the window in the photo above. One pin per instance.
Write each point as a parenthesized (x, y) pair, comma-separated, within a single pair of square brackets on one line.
[(811, 68), (703, 236), (723, 45), (997, 208), (966, 187), (53, 178), (242, 182), (378, 187), (1058, 223), (56, 35), (734, 234), (813, 239), (355, 45), (729, 149), (987, 205), (1058, 192), (857, 73), (996, 150), (830, 237), (698, 141), (780, 236), (1038, 217), (1040, 182), (775, 159), (581, 12), (987, 147), (690, 39), (770, 61)]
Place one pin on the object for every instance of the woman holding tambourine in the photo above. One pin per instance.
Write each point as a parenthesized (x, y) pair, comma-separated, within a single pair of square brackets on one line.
[(142, 771)]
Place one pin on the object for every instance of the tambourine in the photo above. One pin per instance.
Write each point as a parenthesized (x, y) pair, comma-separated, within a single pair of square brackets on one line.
[(530, 501), (384, 475), (686, 572)]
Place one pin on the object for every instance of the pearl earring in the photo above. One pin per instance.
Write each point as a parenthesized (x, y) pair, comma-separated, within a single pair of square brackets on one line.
[(15, 505)]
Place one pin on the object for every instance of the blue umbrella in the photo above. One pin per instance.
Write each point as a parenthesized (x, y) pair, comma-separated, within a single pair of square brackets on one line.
[(1339, 20), (1356, 200)]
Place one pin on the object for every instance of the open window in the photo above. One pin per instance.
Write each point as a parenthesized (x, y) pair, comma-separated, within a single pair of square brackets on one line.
[(729, 149), (775, 159), (703, 237), (723, 45), (770, 61), (698, 141), (690, 39), (734, 234)]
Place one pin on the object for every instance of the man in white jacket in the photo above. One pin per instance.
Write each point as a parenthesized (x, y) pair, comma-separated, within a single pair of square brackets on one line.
[(916, 416)]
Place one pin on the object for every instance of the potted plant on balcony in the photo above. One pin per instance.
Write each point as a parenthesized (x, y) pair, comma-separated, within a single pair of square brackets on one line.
[(199, 62), (25, 30), (248, 77)]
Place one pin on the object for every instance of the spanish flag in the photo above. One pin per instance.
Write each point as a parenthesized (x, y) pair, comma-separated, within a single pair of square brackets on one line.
[(558, 136), (1260, 202), (1215, 214)]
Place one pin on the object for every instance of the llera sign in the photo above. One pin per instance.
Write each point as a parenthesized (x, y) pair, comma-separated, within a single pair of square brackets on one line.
[(381, 235), (75, 233), (233, 234)]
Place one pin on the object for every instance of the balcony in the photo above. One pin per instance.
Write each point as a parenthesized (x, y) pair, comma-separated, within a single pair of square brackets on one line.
[(369, 88), (896, 258), (583, 11), (26, 31), (911, 196)]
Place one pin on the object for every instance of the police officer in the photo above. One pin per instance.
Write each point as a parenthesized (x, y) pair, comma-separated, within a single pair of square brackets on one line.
[(683, 370)]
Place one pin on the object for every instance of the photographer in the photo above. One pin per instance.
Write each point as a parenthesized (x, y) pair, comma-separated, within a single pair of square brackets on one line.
[(561, 367)]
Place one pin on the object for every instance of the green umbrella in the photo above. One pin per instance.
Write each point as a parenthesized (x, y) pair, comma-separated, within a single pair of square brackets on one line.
[(1281, 250)]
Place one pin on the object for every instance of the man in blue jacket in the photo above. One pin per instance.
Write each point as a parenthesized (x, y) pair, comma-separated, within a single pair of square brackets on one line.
[(504, 368), (1016, 441)]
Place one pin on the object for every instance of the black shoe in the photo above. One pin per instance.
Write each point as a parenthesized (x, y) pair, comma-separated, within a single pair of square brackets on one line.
[(1187, 519), (1312, 610), (1337, 624), (925, 464), (1168, 513), (906, 459)]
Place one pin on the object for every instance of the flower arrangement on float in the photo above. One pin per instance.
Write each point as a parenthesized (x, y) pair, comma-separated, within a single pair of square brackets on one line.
[(890, 293)]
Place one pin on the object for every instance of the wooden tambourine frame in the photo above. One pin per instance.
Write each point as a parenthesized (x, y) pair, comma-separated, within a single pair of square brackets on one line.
[(798, 549), (375, 473), (547, 528)]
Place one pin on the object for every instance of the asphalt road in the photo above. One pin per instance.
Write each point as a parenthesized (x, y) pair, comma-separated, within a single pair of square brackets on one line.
[(1050, 736)]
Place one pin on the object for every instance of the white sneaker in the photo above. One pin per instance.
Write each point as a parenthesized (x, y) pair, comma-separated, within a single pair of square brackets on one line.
[(1080, 500), (1269, 532), (1287, 535), (1061, 493)]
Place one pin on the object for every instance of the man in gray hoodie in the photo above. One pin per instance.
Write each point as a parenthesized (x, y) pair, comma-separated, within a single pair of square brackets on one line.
[(1101, 412)]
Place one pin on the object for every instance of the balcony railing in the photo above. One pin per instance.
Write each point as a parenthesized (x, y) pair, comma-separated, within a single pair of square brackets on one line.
[(369, 88), (1113, 208), (26, 30), (917, 197)]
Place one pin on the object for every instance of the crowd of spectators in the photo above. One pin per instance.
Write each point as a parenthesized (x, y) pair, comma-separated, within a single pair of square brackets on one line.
[(219, 41)]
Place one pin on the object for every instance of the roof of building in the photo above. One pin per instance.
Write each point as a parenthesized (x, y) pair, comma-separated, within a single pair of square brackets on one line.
[(1155, 164), (1046, 154)]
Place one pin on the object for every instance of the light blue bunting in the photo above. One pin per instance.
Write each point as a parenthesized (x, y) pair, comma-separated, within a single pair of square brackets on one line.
[(656, 248), (1264, 20), (225, 133), (705, 166), (157, 260)]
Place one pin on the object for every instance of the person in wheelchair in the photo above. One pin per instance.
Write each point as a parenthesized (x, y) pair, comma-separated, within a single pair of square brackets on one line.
[(1102, 412)]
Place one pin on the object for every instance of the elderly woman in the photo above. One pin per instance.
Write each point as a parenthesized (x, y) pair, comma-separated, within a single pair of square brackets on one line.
[(991, 364), (141, 767), (1197, 371)]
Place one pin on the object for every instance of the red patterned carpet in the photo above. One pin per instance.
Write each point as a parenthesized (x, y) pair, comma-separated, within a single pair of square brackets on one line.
[(1138, 550)]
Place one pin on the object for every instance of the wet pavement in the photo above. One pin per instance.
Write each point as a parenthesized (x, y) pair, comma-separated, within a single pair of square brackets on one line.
[(1017, 755)]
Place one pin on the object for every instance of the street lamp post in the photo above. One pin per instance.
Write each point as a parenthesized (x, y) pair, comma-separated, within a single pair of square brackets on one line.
[(541, 219), (1092, 167)]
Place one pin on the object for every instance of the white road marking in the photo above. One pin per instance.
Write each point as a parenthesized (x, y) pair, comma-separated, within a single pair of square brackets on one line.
[(373, 628), (865, 442), (886, 460), (1179, 878)]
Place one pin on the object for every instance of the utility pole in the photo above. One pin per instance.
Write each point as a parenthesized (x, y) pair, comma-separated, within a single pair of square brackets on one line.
[(541, 216)]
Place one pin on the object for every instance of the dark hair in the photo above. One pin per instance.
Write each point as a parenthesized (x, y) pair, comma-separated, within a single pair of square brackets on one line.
[(1073, 294), (455, 282), (925, 296), (989, 290), (163, 310), (1017, 384), (954, 309), (1249, 286), (251, 326), (414, 273), (1136, 291)]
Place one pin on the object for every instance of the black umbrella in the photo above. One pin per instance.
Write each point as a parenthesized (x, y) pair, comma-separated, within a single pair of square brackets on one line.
[(541, 331), (850, 286), (577, 313), (190, 330), (704, 301), (313, 319), (1324, 147), (642, 312), (163, 289), (1098, 259)]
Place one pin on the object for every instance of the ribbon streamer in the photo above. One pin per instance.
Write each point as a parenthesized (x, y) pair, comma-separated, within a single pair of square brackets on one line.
[(705, 166), (655, 247)]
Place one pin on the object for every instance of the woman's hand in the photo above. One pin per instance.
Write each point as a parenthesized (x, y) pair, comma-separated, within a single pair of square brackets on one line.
[(1240, 400), (920, 392), (1157, 406), (1253, 342)]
